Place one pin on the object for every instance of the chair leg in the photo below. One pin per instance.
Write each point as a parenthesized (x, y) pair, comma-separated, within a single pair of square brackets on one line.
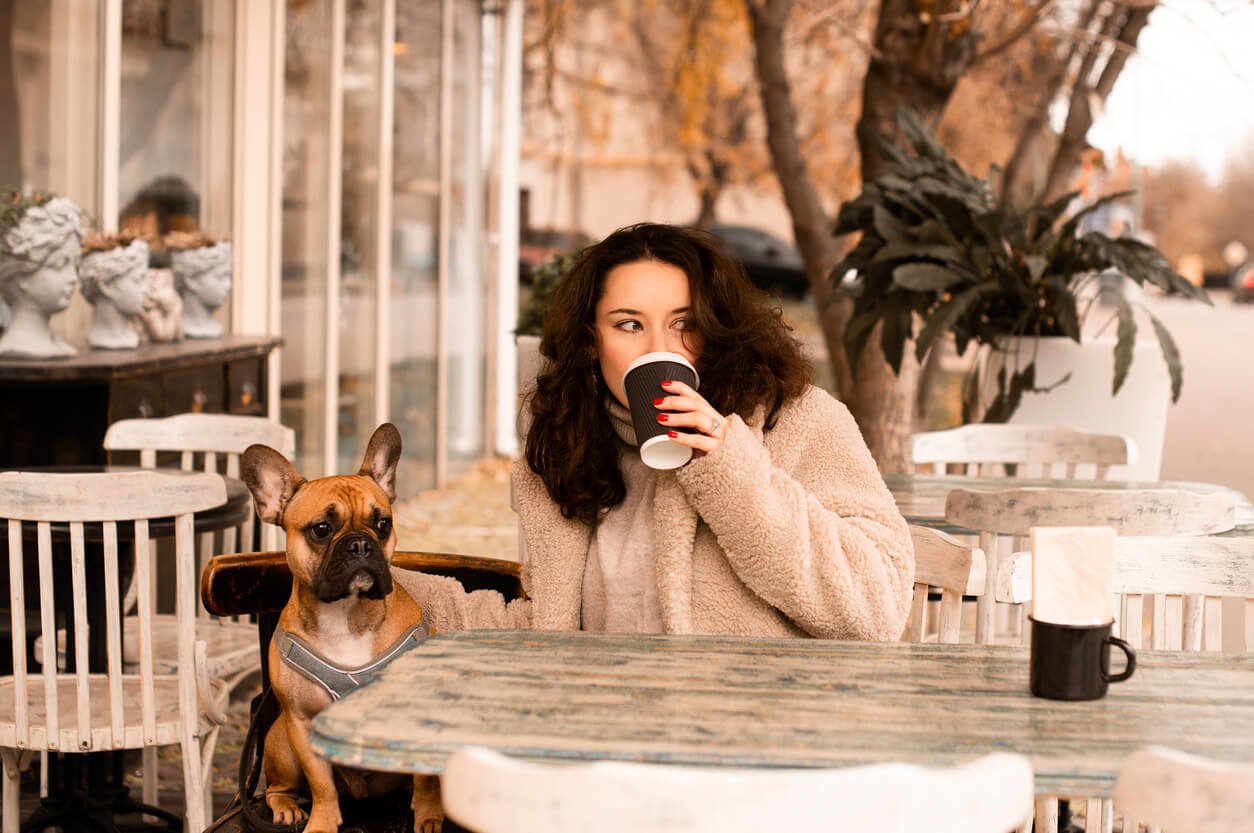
[(149, 760), (11, 803), (193, 787)]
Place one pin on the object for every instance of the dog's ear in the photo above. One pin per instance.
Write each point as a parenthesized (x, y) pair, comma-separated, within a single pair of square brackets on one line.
[(271, 479), (382, 455)]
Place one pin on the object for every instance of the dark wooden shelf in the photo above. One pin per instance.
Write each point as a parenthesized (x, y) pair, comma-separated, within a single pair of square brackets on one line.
[(55, 412)]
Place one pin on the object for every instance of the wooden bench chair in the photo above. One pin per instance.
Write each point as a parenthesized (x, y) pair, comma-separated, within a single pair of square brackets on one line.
[(490, 793), (259, 583), (946, 567), (1021, 451), (1175, 792)]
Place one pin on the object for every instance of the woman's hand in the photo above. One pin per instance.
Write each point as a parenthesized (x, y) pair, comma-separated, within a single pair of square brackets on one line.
[(683, 407)]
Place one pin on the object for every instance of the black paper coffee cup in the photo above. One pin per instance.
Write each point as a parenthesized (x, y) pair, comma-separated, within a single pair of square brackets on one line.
[(643, 383)]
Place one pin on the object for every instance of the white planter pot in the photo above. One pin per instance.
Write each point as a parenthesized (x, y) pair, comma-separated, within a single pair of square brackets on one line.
[(1138, 411)]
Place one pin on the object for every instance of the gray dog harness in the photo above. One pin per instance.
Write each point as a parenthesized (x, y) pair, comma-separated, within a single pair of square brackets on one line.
[(337, 680)]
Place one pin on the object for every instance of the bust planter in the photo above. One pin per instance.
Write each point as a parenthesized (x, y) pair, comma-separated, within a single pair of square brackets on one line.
[(1137, 411)]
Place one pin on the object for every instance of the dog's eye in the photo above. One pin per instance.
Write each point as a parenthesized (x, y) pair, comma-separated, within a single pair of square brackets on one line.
[(321, 529), (384, 525)]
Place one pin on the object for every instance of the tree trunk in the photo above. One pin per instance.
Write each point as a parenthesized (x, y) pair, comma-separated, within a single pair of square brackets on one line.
[(1124, 26), (881, 403)]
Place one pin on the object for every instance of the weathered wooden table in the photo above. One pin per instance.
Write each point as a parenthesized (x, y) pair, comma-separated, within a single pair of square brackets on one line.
[(776, 703), (921, 497)]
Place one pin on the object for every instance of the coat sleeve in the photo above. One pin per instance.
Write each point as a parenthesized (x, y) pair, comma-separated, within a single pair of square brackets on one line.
[(806, 521), (450, 607)]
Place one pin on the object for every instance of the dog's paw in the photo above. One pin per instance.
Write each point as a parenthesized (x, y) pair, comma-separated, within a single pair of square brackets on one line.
[(428, 825), (284, 808), (324, 822)]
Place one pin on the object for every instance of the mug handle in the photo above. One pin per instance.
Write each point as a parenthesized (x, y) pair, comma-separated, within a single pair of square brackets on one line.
[(1128, 654)]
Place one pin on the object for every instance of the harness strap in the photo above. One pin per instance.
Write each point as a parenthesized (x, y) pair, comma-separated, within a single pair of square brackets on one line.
[(337, 680)]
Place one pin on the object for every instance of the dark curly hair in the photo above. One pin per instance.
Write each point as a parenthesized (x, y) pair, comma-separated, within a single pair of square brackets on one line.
[(749, 358)]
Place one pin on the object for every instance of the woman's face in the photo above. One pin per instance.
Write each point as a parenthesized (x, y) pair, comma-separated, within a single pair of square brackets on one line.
[(51, 286), (644, 308)]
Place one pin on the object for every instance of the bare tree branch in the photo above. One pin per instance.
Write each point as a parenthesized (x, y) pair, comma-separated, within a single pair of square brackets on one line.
[(1029, 19)]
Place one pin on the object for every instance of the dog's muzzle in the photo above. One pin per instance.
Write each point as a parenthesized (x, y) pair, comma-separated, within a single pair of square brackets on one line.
[(355, 564)]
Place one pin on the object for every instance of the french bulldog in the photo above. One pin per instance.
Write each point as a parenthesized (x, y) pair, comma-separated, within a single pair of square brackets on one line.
[(344, 617)]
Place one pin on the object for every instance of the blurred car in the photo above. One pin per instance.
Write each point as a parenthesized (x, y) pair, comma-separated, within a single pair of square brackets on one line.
[(772, 264), (537, 245), (1243, 283)]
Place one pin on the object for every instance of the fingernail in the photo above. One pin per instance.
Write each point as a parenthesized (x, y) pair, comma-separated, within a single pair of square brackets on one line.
[(672, 434), (667, 384), (659, 400), (662, 417)]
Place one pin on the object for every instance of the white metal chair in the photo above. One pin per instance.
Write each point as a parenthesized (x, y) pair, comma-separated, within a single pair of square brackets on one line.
[(953, 568), (118, 708), (490, 793), (1021, 450), (1181, 793)]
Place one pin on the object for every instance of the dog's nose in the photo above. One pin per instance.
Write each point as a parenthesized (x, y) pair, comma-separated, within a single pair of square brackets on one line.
[(361, 547)]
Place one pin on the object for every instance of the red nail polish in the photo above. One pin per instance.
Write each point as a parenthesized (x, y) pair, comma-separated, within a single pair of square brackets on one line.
[(672, 434), (659, 400), (667, 384), (662, 417)]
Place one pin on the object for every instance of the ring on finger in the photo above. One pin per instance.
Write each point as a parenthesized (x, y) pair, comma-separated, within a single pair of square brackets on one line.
[(715, 422)]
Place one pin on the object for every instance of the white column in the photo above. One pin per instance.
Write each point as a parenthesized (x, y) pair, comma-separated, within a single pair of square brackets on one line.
[(505, 387), (335, 188), (383, 214)]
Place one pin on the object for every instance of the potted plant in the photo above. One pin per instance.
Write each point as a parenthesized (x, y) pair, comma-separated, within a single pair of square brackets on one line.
[(532, 307), (936, 243)]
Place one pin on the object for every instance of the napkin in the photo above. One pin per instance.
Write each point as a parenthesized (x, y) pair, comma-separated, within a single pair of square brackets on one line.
[(1073, 569)]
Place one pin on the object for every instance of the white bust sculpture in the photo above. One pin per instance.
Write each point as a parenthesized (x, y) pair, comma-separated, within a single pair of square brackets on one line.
[(115, 284), (38, 270), (202, 277)]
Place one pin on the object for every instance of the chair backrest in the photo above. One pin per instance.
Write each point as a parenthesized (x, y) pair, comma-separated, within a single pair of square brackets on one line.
[(85, 503), (1181, 793), (490, 793), (1021, 450), (952, 568), (1178, 572), (204, 439), (1011, 514)]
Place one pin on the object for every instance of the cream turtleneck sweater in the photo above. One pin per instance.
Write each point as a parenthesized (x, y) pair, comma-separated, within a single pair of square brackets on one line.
[(620, 590)]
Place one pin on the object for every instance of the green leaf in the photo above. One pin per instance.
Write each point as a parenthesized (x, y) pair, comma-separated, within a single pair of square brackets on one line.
[(887, 226), (1171, 355), (857, 331), (1124, 343), (907, 249), (896, 331), (948, 313), (924, 277)]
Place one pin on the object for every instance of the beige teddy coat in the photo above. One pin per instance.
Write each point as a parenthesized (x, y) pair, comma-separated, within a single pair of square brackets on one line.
[(791, 532)]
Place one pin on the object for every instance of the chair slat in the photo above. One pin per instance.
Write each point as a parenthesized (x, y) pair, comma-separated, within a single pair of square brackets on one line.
[(48, 627), (82, 669), (143, 575), (17, 616), (117, 496), (113, 633)]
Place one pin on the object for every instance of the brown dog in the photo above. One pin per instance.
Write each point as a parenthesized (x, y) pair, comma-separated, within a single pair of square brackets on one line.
[(344, 614)]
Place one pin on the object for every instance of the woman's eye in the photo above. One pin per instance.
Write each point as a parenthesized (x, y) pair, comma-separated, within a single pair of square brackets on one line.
[(630, 326), (681, 324)]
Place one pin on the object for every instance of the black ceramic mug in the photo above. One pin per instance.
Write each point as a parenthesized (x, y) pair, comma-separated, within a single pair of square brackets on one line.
[(1072, 662), (643, 383)]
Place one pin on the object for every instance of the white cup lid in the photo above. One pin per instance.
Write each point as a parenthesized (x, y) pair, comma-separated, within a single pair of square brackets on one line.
[(662, 356), (661, 452)]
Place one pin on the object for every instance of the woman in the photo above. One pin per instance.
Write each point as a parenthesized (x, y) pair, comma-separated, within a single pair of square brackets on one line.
[(39, 258), (780, 525)]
